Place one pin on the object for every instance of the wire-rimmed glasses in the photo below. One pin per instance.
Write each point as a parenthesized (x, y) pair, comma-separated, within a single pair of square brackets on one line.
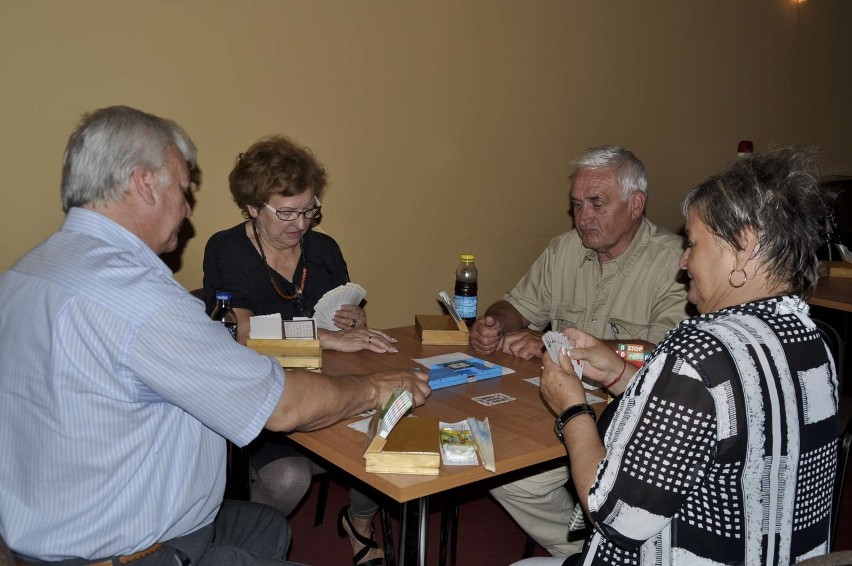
[(289, 215)]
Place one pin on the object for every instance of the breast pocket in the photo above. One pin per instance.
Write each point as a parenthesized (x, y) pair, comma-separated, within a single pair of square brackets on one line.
[(568, 316), (620, 329)]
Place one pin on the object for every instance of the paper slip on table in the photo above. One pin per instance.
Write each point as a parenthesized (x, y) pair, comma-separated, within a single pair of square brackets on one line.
[(522, 430)]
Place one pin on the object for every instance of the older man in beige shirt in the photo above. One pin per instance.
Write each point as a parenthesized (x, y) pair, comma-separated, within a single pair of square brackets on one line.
[(614, 276)]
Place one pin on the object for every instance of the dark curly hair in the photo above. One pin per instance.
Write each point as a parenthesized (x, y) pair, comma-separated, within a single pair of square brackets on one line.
[(274, 165), (777, 193)]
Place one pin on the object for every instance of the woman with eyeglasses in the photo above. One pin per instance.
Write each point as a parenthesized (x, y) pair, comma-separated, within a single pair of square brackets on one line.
[(274, 263)]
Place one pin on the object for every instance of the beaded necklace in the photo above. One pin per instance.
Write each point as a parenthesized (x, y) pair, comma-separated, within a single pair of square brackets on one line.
[(278, 291)]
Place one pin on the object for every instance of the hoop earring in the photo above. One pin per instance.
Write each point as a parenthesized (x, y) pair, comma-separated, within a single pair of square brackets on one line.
[(731, 278)]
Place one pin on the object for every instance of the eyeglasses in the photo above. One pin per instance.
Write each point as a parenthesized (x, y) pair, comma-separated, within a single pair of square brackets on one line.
[(289, 215)]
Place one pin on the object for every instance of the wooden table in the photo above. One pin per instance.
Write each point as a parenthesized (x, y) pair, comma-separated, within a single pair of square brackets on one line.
[(522, 431), (834, 293)]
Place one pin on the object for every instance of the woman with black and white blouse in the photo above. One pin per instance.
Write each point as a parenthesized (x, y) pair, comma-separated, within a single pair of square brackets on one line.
[(723, 447)]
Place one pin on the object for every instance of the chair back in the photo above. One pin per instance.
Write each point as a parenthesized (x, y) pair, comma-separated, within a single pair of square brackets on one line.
[(834, 559), (844, 443), (835, 344)]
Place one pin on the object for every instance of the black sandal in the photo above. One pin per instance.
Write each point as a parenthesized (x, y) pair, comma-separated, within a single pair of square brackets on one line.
[(369, 543)]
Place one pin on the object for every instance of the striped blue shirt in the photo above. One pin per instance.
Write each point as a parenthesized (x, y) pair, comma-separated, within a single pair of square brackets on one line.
[(115, 394)]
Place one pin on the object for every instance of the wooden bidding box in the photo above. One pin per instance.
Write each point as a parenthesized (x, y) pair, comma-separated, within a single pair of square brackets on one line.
[(304, 354), (412, 447), (837, 268), (441, 330)]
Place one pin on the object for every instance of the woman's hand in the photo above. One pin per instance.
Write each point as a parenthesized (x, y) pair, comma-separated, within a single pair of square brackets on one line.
[(603, 365), (356, 339), (349, 316), (560, 386)]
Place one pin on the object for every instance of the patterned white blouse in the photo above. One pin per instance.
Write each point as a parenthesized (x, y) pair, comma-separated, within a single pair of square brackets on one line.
[(723, 448)]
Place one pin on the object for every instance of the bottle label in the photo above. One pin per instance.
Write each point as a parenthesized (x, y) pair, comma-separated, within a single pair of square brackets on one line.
[(232, 328), (466, 306)]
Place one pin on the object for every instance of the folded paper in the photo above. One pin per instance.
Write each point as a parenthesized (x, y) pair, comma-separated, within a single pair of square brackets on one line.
[(266, 327)]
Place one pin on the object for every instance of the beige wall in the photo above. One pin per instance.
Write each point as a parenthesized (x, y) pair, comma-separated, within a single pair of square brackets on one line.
[(446, 126)]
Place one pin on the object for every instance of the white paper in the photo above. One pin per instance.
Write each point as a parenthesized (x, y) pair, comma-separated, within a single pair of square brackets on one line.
[(266, 327), (300, 328), (484, 445), (454, 357), (361, 426)]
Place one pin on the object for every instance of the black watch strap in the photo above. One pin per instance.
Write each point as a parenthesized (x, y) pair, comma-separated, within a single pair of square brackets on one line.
[(570, 413)]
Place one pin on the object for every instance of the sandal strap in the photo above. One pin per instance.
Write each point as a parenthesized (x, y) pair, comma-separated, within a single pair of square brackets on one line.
[(369, 543), (356, 560)]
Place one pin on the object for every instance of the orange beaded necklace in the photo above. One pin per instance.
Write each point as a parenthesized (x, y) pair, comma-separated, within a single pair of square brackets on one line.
[(278, 291)]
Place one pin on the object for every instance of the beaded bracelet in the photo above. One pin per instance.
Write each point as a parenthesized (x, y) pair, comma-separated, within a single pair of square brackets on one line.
[(617, 379)]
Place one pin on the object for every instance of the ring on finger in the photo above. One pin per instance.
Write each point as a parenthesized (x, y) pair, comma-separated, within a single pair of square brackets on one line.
[(354, 323)]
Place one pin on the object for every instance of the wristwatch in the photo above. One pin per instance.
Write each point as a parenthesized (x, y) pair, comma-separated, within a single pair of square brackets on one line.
[(569, 414)]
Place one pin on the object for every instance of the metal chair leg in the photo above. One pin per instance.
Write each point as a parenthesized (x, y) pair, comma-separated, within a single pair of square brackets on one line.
[(448, 540), (322, 498), (387, 537)]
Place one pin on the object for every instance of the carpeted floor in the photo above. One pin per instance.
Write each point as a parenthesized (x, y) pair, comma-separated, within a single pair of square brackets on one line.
[(487, 536)]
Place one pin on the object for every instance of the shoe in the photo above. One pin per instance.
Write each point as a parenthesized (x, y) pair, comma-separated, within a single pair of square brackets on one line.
[(346, 529)]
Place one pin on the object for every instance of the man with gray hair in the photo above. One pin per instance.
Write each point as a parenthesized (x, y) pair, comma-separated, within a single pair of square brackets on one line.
[(614, 276), (117, 392)]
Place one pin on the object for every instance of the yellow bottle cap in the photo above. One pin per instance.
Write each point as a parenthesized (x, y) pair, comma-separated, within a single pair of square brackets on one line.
[(468, 258)]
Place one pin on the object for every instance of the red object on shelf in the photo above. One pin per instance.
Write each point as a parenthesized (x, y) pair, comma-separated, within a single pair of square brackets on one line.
[(745, 146)]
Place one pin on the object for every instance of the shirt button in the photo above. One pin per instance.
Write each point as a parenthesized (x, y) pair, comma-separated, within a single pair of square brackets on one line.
[(594, 319)]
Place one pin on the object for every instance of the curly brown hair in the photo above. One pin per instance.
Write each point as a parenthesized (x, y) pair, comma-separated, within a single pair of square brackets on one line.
[(274, 165)]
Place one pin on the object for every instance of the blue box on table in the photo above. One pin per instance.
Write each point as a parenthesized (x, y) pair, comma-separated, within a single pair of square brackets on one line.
[(461, 371)]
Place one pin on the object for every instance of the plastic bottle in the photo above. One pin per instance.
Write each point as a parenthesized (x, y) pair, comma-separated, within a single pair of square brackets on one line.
[(465, 295), (224, 313)]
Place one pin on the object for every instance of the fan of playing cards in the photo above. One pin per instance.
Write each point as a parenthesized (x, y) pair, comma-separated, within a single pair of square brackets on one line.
[(349, 294), (555, 341)]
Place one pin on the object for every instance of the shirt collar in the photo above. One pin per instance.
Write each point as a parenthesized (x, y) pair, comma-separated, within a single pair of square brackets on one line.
[(95, 225), (626, 260)]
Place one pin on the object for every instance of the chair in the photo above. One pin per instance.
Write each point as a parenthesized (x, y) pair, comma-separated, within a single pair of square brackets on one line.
[(834, 559), (448, 538), (835, 344), (238, 473), (322, 498), (844, 443)]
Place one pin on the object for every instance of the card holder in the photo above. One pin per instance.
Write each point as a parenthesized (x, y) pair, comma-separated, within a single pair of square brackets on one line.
[(441, 330)]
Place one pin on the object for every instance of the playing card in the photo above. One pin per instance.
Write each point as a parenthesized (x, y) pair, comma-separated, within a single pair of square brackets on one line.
[(554, 342), (492, 399), (349, 294)]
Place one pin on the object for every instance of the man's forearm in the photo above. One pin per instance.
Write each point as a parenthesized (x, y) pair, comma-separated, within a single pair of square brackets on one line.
[(508, 316), (312, 401)]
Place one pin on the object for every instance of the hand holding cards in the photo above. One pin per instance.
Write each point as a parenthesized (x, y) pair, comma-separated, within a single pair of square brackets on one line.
[(554, 342)]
